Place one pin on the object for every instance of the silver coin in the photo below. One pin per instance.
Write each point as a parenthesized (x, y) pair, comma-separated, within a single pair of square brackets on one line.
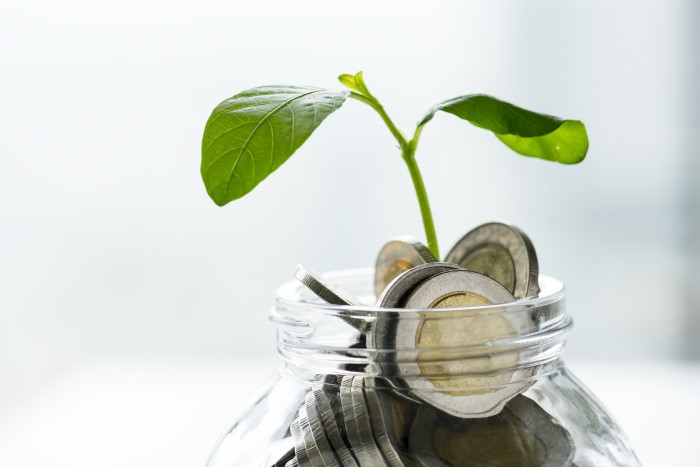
[(502, 252), (292, 463), (364, 426), (458, 288), (397, 256), (331, 427), (319, 436), (299, 447), (398, 291), (525, 435), (312, 449), (315, 282), (364, 457), (349, 421), (464, 396), (320, 287), (380, 424)]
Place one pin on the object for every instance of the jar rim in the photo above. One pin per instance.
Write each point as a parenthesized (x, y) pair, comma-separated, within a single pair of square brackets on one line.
[(488, 339), (291, 294)]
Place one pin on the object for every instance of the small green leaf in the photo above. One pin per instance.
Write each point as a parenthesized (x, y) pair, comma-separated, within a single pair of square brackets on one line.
[(526, 132), (356, 83), (248, 136), (348, 81)]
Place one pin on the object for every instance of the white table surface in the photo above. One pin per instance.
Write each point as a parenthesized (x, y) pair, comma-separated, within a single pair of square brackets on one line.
[(136, 413)]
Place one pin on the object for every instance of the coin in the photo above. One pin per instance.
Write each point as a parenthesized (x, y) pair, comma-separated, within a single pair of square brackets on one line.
[(349, 420), (380, 424), (331, 427), (286, 459), (320, 287), (502, 252), (364, 426), (292, 463), (299, 447), (312, 449), (319, 436), (525, 435), (559, 445), (362, 452), (315, 282), (437, 337), (381, 334), (397, 256)]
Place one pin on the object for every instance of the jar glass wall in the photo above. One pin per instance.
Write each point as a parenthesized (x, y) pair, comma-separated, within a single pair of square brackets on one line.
[(365, 386)]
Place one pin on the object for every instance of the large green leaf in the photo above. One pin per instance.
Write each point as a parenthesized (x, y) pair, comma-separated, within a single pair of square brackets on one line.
[(248, 136), (526, 132)]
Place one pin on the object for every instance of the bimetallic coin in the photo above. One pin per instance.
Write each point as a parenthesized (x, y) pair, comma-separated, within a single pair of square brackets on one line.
[(525, 435), (318, 432), (558, 443), (318, 285), (381, 334), (458, 288), (380, 424), (462, 395), (364, 426), (397, 256), (502, 252), (331, 427)]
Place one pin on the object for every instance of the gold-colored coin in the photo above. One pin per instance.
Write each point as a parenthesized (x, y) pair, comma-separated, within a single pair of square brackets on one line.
[(398, 256)]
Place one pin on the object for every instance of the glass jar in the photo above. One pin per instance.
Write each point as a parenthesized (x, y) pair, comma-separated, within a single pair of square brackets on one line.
[(343, 398)]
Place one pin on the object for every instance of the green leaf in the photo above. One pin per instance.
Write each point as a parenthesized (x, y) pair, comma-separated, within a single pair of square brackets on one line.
[(526, 132), (248, 136), (355, 82)]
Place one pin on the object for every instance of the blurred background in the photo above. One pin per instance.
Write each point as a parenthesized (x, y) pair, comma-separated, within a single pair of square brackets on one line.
[(111, 250)]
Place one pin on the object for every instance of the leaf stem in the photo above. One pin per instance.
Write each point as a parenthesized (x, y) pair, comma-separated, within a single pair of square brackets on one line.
[(408, 153), (374, 103)]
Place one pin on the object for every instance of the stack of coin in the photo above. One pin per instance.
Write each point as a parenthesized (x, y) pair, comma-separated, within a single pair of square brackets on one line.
[(363, 423), (424, 416)]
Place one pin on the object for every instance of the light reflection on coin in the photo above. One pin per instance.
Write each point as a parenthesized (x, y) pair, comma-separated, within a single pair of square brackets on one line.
[(501, 252), (397, 256)]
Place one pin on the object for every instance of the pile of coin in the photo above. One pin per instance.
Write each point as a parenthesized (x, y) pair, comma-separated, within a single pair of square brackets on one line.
[(430, 419)]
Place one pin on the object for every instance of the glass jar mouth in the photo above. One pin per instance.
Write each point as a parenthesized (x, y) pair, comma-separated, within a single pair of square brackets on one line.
[(294, 302)]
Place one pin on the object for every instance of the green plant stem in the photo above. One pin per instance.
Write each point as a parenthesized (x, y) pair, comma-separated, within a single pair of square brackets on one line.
[(408, 153)]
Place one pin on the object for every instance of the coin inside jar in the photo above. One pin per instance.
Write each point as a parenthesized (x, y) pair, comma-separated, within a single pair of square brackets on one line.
[(397, 256), (478, 388), (501, 252), (522, 434)]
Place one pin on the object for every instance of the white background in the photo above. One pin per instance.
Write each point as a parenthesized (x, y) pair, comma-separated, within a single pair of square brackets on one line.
[(110, 247)]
